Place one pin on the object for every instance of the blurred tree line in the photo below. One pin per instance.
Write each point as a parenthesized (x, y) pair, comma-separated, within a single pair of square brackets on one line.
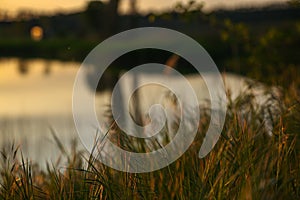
[(251, 41)]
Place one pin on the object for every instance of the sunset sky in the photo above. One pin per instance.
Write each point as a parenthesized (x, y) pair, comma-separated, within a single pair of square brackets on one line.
[(12, 6)]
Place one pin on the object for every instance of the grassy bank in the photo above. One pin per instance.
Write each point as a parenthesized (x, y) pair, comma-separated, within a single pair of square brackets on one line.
[(245, 164)]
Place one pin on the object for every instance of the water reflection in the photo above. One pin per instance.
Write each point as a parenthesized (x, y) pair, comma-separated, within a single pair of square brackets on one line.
[(47, 69), (23, 67), (36, 95)]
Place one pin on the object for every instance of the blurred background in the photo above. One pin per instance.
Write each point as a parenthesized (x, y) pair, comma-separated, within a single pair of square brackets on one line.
[(42, 44)]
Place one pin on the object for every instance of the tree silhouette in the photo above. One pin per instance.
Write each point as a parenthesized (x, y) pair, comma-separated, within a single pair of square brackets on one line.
[(95, 14), (103, 18)]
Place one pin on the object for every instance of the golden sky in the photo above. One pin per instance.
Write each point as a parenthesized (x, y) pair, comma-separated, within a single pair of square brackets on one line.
[(12, 6)]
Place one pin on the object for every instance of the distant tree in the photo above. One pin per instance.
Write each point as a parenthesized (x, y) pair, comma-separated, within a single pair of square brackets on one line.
[(103, 17), (95, 14), (237, 36), (191, 6), (112, 14), (190, 11), (294, 3)]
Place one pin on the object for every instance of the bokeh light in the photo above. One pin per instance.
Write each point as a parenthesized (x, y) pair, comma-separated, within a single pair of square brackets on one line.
[(36, 33)]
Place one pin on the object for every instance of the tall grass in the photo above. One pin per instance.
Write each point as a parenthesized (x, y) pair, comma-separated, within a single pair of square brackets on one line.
[(246, 163)]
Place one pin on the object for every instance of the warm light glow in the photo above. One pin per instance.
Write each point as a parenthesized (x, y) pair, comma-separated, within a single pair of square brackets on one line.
[(36, 33), (13, 6)]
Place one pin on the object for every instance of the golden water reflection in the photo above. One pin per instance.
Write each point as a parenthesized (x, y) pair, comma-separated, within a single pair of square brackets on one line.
[(35, 97), (36, 87)]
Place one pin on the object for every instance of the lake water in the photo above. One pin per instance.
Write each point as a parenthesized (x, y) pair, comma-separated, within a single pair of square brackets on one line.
[(35, 97)]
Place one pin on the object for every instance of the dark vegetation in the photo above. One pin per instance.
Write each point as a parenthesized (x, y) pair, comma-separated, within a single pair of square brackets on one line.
[(245, 164), (252, 41)]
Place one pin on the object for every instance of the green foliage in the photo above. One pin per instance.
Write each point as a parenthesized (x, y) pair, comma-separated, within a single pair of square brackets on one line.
[(262, 56), (294, 3), (191, 6)]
